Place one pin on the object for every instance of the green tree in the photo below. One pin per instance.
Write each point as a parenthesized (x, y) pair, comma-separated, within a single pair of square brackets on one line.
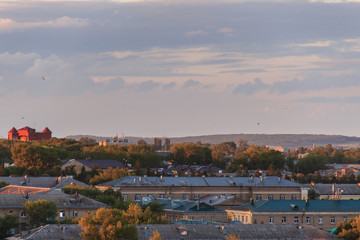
[(312, 194), (7, 222), (34, 159), (41, 212)]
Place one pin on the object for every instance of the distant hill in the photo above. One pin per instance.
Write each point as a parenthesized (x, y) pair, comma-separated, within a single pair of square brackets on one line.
[(284, 140)]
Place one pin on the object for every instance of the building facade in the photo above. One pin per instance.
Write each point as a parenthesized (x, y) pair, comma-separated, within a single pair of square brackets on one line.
[(322, 214), (28, 134), (195, 188)]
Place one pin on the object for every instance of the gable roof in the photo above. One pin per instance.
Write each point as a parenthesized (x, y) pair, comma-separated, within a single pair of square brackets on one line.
[(326, 188), (62, 200), (98, 163), (186, 205), (46, 130), (201, 181), (245, 231), (44, 182)]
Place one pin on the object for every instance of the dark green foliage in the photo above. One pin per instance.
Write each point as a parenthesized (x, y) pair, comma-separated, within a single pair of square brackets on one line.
[(109, 196), (41, 212), (7, 222), (312, 194)]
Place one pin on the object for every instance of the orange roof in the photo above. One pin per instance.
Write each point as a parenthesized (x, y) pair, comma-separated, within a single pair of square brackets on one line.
[(26, 128), (13, 130), (12, 189), (46, 130)]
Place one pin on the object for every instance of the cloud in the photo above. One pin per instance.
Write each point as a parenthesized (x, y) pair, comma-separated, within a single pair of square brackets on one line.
[(190, 83), (226, 30), (250, 88), (147, 86), (347, 99), (195, 33), (316, 44), (169, 85), (7, 24)]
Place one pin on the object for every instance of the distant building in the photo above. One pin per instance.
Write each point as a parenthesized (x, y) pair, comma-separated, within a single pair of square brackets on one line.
[(166, 144), (157, 143), (115, 141), (28, 134)]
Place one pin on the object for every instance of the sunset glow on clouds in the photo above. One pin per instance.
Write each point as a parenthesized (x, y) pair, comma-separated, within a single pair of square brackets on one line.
[(175, 68)]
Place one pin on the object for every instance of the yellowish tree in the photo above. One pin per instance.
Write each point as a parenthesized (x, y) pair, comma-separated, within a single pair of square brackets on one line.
[(155, 235)]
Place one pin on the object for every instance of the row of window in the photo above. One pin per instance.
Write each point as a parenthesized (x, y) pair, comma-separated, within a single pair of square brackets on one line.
[(308, 220), (196, 196), (271, 197), (61, 213), (138, 196)]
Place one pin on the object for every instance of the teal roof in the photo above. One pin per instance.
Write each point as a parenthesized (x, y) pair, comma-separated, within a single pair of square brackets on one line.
[(302, 205)]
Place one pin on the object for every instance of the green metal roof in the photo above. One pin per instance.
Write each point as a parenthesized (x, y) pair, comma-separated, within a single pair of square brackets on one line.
[(302, 205)]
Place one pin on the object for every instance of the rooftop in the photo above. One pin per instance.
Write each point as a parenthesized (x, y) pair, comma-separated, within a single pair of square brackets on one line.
[(201, 181), (245, 231), (301, 205)]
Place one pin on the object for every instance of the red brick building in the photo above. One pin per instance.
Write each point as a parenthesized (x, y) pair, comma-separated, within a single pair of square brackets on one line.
[(28, 134)]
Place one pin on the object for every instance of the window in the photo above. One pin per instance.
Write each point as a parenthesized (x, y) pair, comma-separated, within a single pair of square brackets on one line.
[(185, 197), (293, 196), (10, 212), (283, 220), (62, 214), (22, 214), (332, 220), (282, 197), (125, 197), (258, 197), (345, 218), (308, 221), (320, 221), (296, 220), (196, 196), (150, 195), (234, 195), (162, 196), (270, 197), (137, 197), (246, 219), (271, 220), (75, 213), (242, 218)]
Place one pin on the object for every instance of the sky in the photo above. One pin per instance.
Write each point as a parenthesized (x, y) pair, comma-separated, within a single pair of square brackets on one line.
[(180, 67)]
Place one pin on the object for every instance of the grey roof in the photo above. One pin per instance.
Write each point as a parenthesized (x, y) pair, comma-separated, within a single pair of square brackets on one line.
[(244, 231), (98, 163), (186, 205), (45, 182), (62, 200), (326, 188), (52, 232), (201, 181)]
